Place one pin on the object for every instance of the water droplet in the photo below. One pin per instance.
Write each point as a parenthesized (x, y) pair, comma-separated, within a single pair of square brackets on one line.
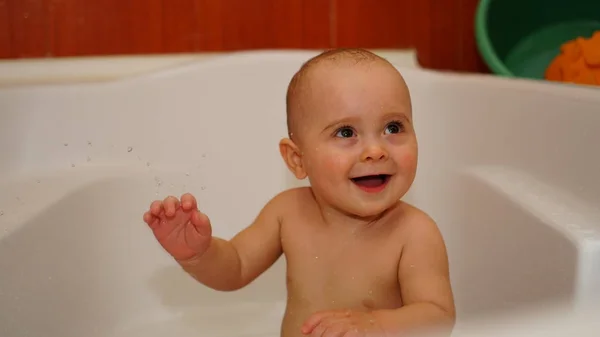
[(1, 213), (89, 159), (332, 302), (38, 181), (412, 265), (370, 292), (352, 277), (89, 143), (202, 188), (66, 144), (129, 149), (204, 155), (49, 277), (316, 257), (187, 174), (72, 165), (157, 180), (371, 321), (148, 163), (25, 15)]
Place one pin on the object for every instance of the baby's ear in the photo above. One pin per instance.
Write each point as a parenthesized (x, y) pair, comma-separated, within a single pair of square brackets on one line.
[(292, 157)]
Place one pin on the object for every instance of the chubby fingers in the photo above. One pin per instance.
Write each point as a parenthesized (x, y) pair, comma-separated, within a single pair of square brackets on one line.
[(152, 216), (318, 322), (156, 208), (332, 330), (149, 218), (201, 223), (171, 204), (188, 202)]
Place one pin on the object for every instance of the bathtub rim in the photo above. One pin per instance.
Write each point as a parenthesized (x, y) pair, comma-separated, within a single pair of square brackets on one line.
[(275, 55)]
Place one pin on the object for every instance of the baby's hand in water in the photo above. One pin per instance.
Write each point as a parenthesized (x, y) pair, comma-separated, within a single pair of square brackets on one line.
[(347, 323), (182, 230)]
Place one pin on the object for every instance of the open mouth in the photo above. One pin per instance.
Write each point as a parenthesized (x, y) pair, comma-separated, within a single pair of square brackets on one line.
[(372, 183)]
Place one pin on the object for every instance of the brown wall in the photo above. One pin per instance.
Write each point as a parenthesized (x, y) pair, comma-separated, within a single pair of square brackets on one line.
[(440, 30)]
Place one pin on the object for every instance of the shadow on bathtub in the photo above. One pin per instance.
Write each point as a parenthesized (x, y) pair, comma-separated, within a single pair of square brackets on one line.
[(178, 290)]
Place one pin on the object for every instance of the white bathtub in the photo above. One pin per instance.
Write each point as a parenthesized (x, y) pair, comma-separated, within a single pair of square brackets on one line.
[(509, 169)]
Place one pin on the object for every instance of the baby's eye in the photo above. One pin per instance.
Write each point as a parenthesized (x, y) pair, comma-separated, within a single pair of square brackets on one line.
[(394, 127), (345, 133)]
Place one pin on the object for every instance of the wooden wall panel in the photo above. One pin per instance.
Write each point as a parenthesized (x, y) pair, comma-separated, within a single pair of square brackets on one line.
[(263, 24), (91, 27), (5, 30), (440, 30), (146, 24), (386, 24), (443, 47), (471, 60), (29, 27), (179, 29), (317, 24), (106, 27), (451, 42)]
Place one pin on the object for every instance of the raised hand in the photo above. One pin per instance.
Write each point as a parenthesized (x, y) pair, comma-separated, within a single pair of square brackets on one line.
[(181, 229)]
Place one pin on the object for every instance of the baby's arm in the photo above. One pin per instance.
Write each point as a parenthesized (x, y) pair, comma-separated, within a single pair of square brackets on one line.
[(424, 279), (186, 234), (231, 265)]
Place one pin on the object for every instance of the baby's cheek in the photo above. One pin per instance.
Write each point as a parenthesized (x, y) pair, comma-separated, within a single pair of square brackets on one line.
[(408, 160), (323, 163), (333, 161)]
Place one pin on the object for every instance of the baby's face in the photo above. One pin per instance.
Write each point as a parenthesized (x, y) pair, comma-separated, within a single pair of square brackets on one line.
[(358, 143)]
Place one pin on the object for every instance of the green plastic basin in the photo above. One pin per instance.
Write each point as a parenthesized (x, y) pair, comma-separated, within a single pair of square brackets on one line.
[(521, 38)]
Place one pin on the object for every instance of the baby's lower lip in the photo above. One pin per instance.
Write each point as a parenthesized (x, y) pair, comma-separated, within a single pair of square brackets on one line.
[(372, 184)]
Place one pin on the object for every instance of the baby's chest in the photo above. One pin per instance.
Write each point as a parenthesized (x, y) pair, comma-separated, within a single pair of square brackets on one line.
[(343, 272)]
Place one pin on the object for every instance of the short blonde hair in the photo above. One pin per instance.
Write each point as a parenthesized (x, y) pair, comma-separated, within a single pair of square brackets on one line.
[(292, 100)]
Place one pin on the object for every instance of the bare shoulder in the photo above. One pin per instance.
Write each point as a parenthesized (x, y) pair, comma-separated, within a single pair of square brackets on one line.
[(293, 194), (289, 201), (294, 197), (417, 225)]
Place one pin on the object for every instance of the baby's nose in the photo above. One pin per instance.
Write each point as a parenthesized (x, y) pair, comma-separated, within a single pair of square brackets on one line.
[(374, 152)]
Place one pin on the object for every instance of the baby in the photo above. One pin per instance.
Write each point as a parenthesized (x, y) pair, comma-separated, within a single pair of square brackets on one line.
[(360, 262)]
